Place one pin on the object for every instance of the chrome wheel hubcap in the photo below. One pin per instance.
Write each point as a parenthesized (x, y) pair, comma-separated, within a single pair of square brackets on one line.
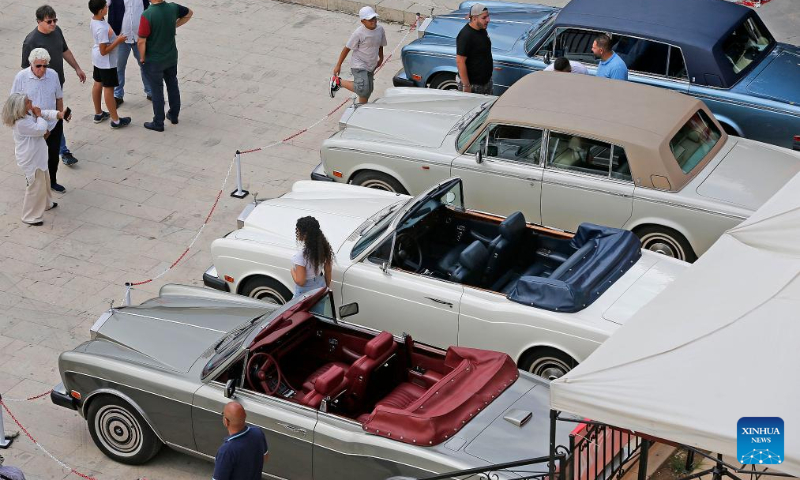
[(267, 294), (550, 368), (118, 430), (378, 185), (664, 245)]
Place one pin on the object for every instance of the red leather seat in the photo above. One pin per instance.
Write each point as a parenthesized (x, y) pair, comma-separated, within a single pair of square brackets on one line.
[(328, 384), (376, 352), (308, 384), (402, 396)]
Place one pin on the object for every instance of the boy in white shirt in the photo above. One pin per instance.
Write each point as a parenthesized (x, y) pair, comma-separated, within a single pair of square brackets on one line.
[(367, 43), (104, 59)]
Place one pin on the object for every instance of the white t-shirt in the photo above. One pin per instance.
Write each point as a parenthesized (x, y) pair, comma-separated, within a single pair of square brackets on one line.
[(102, 33), (577, 67), (44, 92), (365, 44), (299, 259)]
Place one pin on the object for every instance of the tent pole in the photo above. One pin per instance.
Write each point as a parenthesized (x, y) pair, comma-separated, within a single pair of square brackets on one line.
[(551, 465), (643, 459)]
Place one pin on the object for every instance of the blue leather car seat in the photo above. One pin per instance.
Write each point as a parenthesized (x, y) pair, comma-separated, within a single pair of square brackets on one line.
[(502, 247), (471, 264)]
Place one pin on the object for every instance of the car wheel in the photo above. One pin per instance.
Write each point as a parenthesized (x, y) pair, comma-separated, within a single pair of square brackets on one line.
[(444, 81), (120, 432), (547, 363), (667, 242), (379, 181), (266, 289)]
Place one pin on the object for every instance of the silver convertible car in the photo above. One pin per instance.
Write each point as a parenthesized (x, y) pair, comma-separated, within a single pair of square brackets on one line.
[(334, 400), (567, 149)]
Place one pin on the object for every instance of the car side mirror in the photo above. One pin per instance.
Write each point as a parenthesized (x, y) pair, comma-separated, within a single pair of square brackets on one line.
[(348, 310), (547, 58), (479, 156), (230, 388), (385, 268)]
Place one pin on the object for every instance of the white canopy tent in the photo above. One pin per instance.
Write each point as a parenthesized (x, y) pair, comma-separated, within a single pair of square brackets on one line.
[(722, 342)]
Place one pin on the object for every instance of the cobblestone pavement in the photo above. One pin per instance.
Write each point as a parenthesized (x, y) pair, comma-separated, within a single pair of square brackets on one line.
[(251, 72)]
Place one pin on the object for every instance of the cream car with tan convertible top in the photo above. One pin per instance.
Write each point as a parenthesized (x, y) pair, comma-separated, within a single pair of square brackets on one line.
[(566, 149), (450, 276)]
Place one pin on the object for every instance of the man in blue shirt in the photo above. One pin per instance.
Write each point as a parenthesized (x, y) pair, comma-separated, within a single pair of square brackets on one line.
[(611, 65), (244, 452)]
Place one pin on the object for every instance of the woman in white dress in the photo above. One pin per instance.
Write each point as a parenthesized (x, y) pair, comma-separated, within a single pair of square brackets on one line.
[(311, 265), (30, 125)]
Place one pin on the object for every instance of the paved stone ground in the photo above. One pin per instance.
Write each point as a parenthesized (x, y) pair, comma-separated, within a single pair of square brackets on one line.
[(251, 72)]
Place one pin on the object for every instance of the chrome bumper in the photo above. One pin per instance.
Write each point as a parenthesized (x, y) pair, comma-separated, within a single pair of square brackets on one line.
[(319, 174), (62, 398)]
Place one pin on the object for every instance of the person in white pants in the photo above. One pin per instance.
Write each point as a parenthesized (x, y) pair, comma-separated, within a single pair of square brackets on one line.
[(30, 125)]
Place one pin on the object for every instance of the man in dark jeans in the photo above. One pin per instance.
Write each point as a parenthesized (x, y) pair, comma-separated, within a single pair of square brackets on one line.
[(474, 53), (159, 57)]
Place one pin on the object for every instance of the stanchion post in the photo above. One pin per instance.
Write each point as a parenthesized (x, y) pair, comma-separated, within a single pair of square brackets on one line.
[(5, 441), (127, 302), (239, 192)]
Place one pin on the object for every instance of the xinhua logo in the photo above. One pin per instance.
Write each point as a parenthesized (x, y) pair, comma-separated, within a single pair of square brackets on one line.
[(759, 440)]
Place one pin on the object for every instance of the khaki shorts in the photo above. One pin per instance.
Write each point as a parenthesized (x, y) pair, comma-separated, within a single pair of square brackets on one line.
[(363, 82)]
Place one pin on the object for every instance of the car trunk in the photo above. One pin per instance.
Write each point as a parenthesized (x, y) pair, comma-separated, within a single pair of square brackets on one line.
[(778, 80)]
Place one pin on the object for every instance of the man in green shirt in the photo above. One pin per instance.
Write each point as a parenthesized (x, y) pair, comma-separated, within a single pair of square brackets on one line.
[(159, 57)]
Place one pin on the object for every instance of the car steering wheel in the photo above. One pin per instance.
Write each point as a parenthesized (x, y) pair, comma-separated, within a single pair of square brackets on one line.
[(263, 373), (408, 252)]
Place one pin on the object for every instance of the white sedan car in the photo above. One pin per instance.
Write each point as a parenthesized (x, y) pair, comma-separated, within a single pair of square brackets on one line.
[(450, 276)]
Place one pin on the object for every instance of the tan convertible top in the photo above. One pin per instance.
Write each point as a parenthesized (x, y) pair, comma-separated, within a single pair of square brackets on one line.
[(640, 118)]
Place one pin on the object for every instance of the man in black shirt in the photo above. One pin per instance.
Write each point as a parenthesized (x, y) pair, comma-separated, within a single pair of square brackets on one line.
[(474, 53), (48, 35)]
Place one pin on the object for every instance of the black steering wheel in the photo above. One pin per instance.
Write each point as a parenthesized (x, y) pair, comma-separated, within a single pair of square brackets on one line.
[(408, 252), (265, 373)]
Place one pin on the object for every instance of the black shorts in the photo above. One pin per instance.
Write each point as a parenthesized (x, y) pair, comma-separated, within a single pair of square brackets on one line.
[(106, 76)]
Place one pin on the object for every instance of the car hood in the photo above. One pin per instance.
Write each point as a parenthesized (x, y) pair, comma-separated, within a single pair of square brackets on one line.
[(174, 329), (509, 24), (779, 79), (413, 117), (493, 438), (339, 208), (749, 174)]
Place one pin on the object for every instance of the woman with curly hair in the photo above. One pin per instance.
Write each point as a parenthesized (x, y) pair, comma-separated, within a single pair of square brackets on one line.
[(312, 264)]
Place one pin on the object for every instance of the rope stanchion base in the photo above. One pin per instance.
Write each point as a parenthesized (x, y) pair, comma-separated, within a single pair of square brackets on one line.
[(240, 193)]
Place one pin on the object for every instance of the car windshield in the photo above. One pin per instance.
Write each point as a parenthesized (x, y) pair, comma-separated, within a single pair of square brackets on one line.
[(748, 43), (374, 228), (233, 340), (473, 122), (536, 33), (694, 140)]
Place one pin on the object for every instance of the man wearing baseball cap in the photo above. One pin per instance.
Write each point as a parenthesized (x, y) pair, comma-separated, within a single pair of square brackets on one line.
[(474, 53), (367, 43)]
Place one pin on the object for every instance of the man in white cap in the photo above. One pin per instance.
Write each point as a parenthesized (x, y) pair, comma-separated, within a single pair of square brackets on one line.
[(367, 43), (474, 53)]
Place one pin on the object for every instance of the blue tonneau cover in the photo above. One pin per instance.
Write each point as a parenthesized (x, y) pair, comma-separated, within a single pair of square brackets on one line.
[(601, 256)]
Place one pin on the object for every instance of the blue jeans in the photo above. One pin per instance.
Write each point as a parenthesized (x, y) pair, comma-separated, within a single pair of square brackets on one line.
[(157, 75), (123, 51), (64, 148)]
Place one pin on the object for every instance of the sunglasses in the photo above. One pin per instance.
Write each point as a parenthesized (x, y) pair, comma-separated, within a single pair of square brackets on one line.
[(51, 21), (41, 66)]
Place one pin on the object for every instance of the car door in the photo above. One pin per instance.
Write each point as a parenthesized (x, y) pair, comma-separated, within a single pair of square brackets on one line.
[(343, 450), (288, 427), (585, 180), (399, 301), (501, 172)]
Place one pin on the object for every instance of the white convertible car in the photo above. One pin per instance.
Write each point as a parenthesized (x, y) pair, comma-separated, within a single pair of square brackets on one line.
[(450, 276)]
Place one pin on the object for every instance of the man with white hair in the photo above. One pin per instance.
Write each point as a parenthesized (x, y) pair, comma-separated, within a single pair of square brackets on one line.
[(48, 35), (42, 87)]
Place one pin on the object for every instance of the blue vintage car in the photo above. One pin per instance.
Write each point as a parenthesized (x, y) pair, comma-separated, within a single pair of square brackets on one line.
[(717, 51)]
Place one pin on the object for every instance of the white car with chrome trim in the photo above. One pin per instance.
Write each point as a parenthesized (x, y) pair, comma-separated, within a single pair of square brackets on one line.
[(450, 276), (566, 149)]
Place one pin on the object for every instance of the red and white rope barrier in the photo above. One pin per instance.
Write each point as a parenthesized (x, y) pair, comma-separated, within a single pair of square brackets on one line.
[(39, 445)]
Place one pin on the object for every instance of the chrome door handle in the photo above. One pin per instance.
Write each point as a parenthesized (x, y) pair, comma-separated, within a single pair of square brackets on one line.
[(441, 302), (293, 428)]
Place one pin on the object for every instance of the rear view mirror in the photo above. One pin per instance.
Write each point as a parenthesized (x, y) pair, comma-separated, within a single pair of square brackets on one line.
[(348, 310), (230, 388)]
